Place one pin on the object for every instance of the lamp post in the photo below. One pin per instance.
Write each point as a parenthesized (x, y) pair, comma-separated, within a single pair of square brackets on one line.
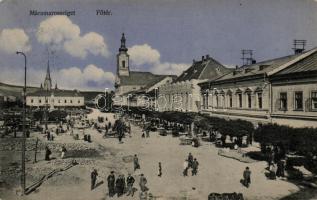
[(24, 131)]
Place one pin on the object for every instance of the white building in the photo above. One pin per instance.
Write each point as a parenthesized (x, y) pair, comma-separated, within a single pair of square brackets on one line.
[(54, 98)]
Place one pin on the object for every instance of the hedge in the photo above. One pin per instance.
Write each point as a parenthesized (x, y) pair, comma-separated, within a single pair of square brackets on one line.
[(300, 140)]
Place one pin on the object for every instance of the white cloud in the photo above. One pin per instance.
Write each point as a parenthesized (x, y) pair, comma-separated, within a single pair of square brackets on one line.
[(170, 68), (91, 42), (91, 77), (12, 40), (144, 54), (74, 77), (61, 33)]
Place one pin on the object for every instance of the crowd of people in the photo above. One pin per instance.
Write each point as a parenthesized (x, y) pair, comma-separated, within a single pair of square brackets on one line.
[(121, 185)]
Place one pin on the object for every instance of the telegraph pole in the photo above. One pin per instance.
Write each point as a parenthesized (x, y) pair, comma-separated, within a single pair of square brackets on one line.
[(24, 131)]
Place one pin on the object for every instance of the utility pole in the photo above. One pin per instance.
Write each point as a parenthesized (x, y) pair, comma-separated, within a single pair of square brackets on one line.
[(24, 131)]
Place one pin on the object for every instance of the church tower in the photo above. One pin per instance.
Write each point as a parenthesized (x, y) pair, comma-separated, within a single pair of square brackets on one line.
[(48, 81), (123, 59)]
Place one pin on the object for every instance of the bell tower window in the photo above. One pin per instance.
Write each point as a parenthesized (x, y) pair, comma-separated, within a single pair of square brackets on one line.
[(123, 63)]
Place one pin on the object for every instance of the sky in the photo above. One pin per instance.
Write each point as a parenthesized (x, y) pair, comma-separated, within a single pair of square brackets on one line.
[(163, 36)]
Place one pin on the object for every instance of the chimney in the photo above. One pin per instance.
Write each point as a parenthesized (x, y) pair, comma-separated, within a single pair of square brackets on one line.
[(237, 67), (253, 61), (207, 57), (202, 58), (299, 46)]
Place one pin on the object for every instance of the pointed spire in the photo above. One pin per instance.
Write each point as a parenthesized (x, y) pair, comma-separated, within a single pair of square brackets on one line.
[(48, 74), (123, 47), (48, 80)]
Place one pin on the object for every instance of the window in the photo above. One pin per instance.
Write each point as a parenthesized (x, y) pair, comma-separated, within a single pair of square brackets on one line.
[(260, 100), (283, 101), (31, 100), (46, 100), (71, 101), (230, 101), (59, 101), (298, 100), (65, 101), (314, 100), (123, 63), (78, 101), (249, 100), (217, 101), (40, 101), (240, 100)]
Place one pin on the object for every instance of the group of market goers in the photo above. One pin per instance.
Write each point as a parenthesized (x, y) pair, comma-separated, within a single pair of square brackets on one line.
[(122, 185)]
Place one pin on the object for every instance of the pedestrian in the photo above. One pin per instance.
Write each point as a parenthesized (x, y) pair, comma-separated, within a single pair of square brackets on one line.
[(142, 183), (136, 162), (111, 184), (28, 133), (147, 131), (190, 160), (247, 177), (280, 168), (130, 182), (63, 150), (185, 165), (47, 153), (195, 167), (93, 177), (48, 135), (119, 186), (160, 169), (143, 134), (272, 174)]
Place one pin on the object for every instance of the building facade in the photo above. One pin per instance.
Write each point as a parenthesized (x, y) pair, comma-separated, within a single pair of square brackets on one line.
[(183, 94), (279, 91)]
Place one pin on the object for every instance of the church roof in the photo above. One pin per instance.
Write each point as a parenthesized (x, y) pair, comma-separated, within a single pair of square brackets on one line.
[(204, 69), (141, 78), (57, 93)]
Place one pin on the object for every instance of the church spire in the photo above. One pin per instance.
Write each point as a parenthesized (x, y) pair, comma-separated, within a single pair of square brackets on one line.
[(48, 81), (123, 47), (48, 74)]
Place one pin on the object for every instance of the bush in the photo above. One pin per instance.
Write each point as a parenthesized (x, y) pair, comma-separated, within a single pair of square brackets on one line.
[(299, 140)]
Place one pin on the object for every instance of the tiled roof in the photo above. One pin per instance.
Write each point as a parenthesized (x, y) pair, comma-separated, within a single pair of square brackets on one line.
[(258, 68), (61, 93), (307, 64), (207, 69), (140, 78)]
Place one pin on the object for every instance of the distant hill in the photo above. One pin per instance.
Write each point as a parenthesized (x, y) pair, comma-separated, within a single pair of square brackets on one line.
[(16, 91)]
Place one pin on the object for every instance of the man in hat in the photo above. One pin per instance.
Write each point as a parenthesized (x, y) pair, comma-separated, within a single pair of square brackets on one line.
[(142, 183), (195, 167), (190, 160), (130, 182), (47, 153), (93, 176), (111, 184), (136, 162), (247, 177)]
